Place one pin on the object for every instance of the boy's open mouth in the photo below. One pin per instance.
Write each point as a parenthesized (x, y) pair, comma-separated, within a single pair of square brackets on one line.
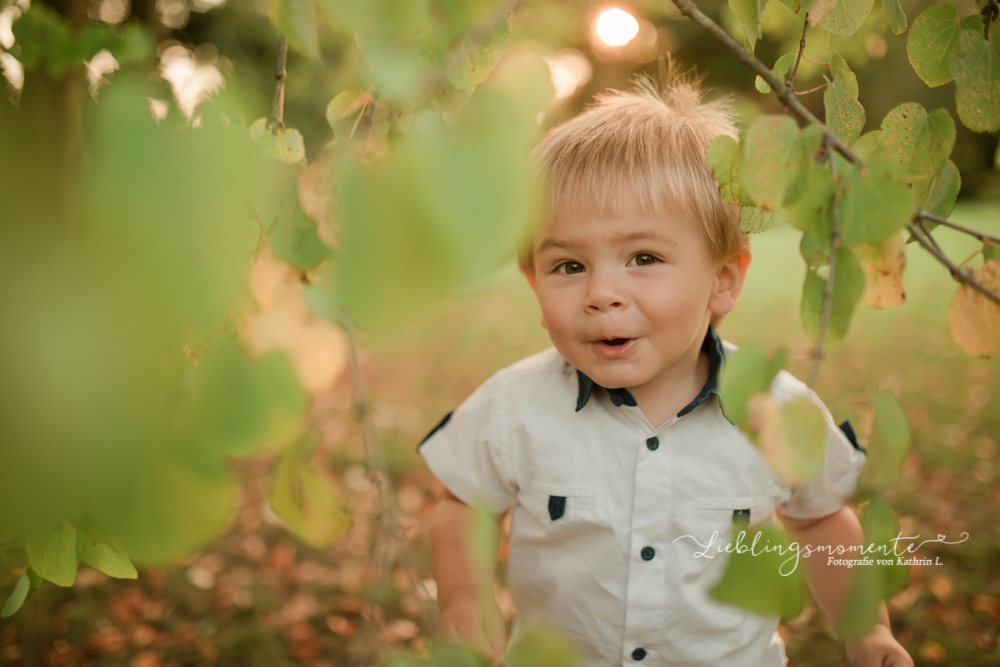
[(615, 341)]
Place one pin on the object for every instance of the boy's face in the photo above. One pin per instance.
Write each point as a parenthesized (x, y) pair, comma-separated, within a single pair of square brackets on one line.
[(627, 300)]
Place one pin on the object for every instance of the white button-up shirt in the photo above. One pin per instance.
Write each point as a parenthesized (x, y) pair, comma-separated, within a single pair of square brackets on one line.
[(600, 497)]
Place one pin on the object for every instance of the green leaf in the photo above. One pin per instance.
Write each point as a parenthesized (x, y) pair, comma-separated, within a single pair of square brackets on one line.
[(755, 581), (934, 35), (918, 141), (810, 143), (844, 114), (290, 145), (744, 373), (845, 17), (975, 64), (876, 203), (814, 251), (748, 13), (772, 149), (754, 220), (989, 252), (468, 64), (108, 559), (871, 584), (305, 499), (790, 436), (539, 646), (726, 160), (55, 556), (781, 69), (848, 286), (343, 110), (897, 17), (293, 237), (813, 211), (842, 72), (291, 233), (17, 597), (793, 5), (448, 204), (233, 406), (938, 195), (887, 446), (298, 21), (868, 144)]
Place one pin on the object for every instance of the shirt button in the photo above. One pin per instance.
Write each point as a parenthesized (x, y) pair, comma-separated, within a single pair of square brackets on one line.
[(647, 553), (639, 654), (616, 399), (653, 443)]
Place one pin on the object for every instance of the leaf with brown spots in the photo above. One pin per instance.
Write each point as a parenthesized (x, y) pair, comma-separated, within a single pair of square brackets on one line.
[(932, 38), (973, 319), (883, 266), (919, 141), (975, 65), (773, 157)]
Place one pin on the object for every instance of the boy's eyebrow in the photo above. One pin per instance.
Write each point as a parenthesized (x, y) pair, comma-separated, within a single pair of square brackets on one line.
[(631, 236)]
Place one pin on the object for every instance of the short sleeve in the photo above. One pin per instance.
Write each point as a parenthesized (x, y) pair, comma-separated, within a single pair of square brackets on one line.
[(469, 450), (833, 486)]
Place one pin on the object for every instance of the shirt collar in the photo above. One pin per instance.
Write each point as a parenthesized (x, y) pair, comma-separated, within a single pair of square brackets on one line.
[(712, 344)]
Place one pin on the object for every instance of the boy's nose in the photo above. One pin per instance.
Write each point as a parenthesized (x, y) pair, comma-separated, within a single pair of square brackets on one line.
[(604, 294)]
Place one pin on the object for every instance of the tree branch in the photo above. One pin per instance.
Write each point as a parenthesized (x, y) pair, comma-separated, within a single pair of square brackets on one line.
[(278, 112), (827, 310), (985, 238), (784, 93), (920, 233)]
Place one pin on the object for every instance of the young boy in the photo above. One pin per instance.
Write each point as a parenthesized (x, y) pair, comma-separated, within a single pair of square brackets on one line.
[(612, 445)]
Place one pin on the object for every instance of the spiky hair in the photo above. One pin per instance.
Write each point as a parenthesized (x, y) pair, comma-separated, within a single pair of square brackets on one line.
[(640, 150)]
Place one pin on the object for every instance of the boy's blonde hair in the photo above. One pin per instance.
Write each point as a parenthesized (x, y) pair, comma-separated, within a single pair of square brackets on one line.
[(641, 150)]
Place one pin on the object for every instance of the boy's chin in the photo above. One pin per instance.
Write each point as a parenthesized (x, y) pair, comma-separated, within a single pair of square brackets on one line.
[(614, 378)]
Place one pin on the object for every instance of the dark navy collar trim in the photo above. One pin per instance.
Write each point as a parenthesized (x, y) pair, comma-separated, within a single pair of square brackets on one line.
[(712, 344), (619, 396)]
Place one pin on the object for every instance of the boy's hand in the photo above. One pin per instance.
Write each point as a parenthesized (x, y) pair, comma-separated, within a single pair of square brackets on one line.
[(463, 621), (878, 649)]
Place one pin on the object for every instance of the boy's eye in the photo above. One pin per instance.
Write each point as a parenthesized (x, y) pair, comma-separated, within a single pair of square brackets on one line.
[(644, 258), (570, 267)]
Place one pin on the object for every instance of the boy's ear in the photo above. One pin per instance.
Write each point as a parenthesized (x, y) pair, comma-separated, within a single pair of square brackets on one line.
[(530, 277), (729, 283)]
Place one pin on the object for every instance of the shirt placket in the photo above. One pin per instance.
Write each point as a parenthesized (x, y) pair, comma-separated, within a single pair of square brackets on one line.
[(652, 507)]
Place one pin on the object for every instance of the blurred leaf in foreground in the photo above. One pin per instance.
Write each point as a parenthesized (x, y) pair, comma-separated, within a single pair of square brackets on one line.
[(755, 581)]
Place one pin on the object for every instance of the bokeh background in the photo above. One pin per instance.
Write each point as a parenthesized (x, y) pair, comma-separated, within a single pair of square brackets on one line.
[(257, 596)]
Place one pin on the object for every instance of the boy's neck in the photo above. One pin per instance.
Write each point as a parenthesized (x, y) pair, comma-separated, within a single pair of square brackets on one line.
[(664, 396)]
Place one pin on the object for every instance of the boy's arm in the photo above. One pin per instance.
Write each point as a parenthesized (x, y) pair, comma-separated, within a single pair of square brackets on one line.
[(469, 611), (830, 583)]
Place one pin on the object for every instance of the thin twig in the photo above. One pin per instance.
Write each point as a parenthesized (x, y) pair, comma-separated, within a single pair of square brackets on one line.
[(985, 238), (278, 112), (802, 48), (814, 62), (918, 230), (811, 90), (827, 309), (969, 258), (990, 12), (390, 545)]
